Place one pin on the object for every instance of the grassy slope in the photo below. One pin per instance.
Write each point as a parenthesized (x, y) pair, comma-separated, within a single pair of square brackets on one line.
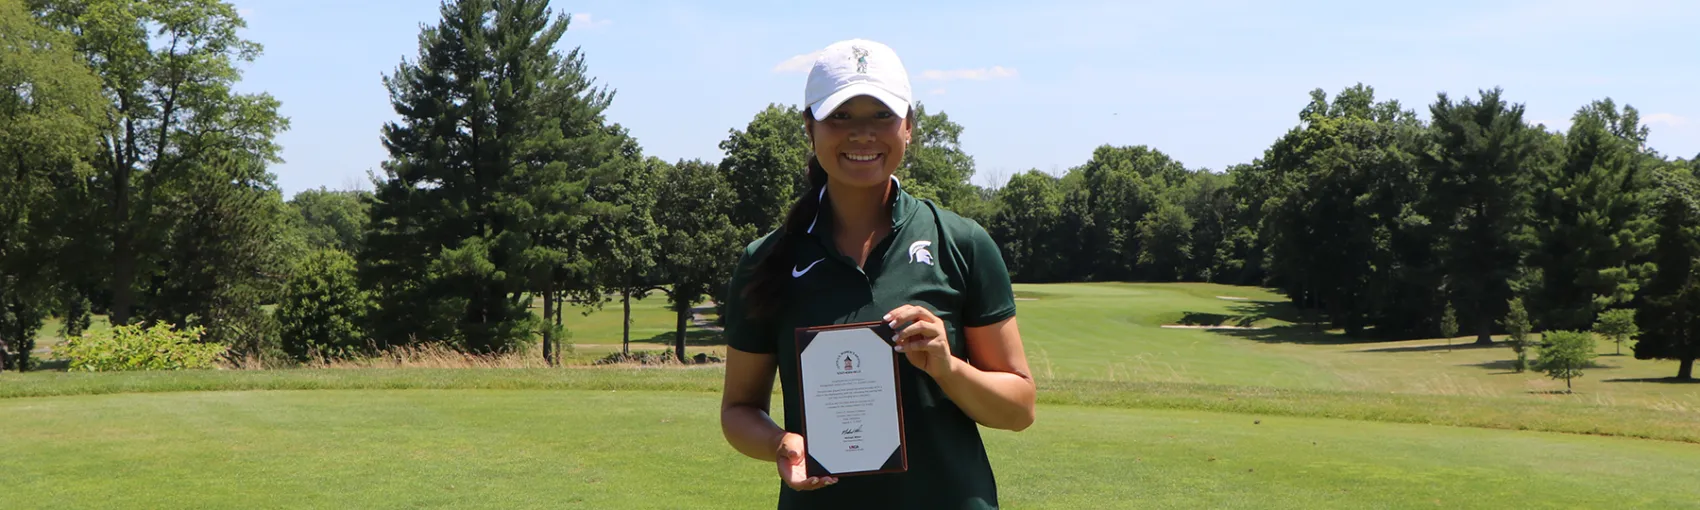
[(1113, 332), (526, 449), (1102, 344)]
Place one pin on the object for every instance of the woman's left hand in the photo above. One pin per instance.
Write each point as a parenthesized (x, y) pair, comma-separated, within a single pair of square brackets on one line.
[(923, 340)]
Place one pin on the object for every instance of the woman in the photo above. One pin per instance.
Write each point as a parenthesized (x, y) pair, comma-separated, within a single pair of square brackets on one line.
[(857, 248)]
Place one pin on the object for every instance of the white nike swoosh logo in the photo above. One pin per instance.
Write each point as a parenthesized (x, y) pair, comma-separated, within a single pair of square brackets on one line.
[(799, 274)]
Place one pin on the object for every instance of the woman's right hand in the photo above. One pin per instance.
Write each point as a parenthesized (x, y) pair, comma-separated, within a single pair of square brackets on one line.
[(793, 470)]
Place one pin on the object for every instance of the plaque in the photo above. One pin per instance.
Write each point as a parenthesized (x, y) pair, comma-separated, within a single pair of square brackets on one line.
[(852, 403)]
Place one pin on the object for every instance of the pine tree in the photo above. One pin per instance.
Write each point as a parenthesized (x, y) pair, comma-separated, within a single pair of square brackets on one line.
[(498, 136), (1449, 324), (1668, 309), (1517, 325), (1591, 218), (1481, 157)]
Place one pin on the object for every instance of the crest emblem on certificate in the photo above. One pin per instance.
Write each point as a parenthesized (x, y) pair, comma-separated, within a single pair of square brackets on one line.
[(848, 362)]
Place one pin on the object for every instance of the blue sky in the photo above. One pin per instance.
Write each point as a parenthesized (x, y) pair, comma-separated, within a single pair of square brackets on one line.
[(1210, 83)]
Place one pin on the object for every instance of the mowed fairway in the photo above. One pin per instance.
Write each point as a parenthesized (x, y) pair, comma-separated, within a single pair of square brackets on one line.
[(1115, 332), (1132, 415), (607, 449)]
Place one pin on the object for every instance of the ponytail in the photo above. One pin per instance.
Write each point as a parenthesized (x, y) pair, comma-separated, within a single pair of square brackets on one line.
[(766, 289)]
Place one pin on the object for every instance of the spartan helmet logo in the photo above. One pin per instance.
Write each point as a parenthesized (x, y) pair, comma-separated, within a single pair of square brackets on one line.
[(861, 59), (918, 252)]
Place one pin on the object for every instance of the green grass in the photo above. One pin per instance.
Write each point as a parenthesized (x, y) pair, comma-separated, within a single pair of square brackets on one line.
[(534, 449), (1572, 416), (1132, 415), (595, 333), (51, 333), (1113, 332)]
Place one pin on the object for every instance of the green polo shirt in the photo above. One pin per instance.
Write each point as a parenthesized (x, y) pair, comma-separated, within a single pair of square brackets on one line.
[(932, 258)]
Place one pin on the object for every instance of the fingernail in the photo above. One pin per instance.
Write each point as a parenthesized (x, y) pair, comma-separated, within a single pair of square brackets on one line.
[(899, 347), (887, 317)]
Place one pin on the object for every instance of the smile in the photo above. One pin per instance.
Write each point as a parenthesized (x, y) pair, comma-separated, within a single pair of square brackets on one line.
[(862, 157)]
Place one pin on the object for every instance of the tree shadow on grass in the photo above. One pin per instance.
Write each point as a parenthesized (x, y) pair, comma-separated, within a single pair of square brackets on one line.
[(1510, 366), (1656, 380), (1277, 310), (1456, 345), (58, 365), (1301, 326), (1245, 314), (1215, 319), (1294, 334), (693, 337)]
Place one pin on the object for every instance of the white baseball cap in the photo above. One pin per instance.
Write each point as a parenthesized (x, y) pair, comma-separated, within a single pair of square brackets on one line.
[(857, 67)]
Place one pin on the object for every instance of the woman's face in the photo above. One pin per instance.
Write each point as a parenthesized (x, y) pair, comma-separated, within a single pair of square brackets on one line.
[(861, 143)]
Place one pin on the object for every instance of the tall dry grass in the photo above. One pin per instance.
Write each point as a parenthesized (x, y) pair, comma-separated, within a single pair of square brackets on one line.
[(434, 356), (408, 356)]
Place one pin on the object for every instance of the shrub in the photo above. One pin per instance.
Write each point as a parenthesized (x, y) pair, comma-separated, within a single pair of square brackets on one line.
[(323, 310), (133, 347)]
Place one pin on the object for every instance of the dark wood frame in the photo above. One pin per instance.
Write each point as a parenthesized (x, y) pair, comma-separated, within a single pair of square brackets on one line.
[(806, 335)]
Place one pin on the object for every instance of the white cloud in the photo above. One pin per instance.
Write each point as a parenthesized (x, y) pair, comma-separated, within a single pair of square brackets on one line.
[(1668, 119), (585, 20), (798, 64), (984, 73)]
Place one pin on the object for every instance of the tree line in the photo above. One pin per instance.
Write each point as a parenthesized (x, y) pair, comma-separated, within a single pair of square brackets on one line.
[(1388, 223), (134, 183)]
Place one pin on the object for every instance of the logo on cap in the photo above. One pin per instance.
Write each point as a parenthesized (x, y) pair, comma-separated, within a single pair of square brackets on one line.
[(861, 59)]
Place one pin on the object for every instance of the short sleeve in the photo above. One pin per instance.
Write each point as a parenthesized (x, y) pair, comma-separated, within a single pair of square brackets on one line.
[(990, 298), (742, 332)]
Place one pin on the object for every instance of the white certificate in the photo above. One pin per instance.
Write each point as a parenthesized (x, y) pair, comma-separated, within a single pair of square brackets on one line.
[(852, 407)]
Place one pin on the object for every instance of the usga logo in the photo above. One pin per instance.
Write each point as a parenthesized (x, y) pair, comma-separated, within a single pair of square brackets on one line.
[(918, 252)]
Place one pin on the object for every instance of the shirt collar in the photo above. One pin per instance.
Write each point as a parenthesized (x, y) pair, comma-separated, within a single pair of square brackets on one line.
[(902, 207)]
